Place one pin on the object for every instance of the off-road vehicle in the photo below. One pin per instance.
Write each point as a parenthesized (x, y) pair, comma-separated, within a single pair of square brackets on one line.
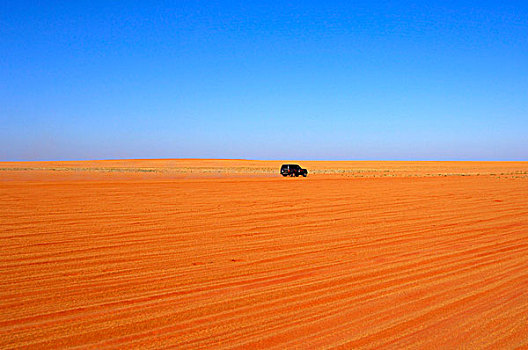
[(292, 170)]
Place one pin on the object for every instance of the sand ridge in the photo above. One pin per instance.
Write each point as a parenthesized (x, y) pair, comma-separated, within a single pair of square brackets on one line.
[(100, 259)]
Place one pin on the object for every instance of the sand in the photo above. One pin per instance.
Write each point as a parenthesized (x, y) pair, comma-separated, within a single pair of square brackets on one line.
[(228, 254)]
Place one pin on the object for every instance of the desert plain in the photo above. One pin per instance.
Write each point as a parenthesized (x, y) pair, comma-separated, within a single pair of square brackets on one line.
[(193, 253)]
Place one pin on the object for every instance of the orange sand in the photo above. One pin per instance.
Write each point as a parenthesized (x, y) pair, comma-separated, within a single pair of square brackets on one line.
[(228, 254)]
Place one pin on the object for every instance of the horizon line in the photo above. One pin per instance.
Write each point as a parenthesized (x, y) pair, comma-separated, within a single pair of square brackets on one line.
[(263, 160)]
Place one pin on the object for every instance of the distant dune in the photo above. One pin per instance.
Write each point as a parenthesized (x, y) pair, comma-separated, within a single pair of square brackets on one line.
[(197, 167), (228, 254)]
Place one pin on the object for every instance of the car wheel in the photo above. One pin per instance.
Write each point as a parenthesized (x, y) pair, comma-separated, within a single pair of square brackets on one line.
[(304, 175)]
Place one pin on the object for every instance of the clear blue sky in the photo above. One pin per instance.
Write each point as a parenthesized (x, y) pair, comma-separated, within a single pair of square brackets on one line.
[(351, 80)]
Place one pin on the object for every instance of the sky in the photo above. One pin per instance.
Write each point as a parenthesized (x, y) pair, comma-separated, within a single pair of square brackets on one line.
[(304, 80)]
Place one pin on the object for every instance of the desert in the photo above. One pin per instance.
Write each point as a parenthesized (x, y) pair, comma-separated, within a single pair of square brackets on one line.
[(264, 175), (211, 253)]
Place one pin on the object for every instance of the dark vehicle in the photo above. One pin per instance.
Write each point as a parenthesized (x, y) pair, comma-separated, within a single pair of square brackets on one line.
[(293, 170)]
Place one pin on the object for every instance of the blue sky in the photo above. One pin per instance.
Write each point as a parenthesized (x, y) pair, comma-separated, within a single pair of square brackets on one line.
[(343, 80)]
